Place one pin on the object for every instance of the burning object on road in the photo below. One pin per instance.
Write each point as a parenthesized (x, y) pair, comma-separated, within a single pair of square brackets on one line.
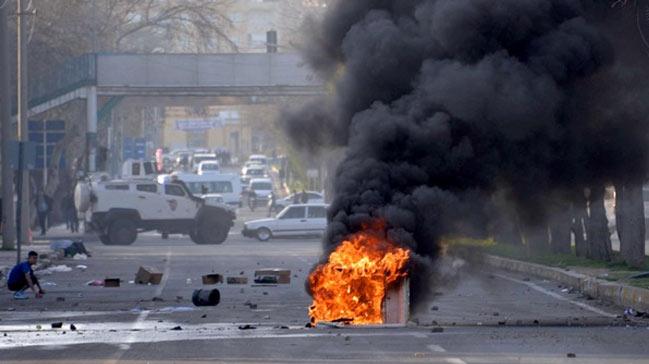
[(364, 281)]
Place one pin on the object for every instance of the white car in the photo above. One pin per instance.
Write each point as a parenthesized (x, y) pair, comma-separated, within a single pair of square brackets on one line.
[(252, 172), (314, 197), (259, 158), (295, 220), (208, 167)]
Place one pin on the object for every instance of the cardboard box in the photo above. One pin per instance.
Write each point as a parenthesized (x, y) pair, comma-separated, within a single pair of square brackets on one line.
[(212, 279), (396, 304), (146, 275), (283, 275), (237, 280)]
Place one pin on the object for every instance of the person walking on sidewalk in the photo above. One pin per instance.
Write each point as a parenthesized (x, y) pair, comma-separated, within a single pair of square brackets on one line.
[(71, 214), (43, 208), (22, 277)]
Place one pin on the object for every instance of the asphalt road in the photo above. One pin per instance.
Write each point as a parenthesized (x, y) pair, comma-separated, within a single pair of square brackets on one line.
[(486, 316)]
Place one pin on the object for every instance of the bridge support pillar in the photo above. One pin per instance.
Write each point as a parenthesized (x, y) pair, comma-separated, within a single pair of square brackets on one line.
[(91, 134)]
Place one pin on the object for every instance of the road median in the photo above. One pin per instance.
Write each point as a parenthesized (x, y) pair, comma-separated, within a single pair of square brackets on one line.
[(619, 294)]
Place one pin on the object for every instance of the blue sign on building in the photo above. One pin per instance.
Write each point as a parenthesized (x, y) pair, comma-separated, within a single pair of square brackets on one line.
[(134, 148)]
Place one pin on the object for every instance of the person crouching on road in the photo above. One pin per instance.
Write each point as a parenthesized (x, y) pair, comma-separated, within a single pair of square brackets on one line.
[(22, 277)]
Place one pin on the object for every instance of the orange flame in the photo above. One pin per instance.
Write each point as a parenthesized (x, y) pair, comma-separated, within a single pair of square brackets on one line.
[(352, 285)]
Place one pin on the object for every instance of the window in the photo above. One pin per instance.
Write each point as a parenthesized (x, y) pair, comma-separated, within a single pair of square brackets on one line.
[(263, 186), (296, 212), (212, 187), (148, 188), (149, 168), (317, 212), (117, 187), (314, 196), (135, 169), (174, 190)]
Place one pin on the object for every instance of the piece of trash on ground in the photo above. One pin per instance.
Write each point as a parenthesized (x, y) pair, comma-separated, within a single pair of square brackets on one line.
[(206, 297), (95, 283), (148, 275), (209, 279), (247, 327), (57, 325), (82, 267), (80, 256), (237, 280), (111, 282)]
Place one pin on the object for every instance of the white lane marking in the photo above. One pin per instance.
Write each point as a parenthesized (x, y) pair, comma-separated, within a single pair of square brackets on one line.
[(139, 323), (557, 296), (420, 335), (436, 348), (454, 361)]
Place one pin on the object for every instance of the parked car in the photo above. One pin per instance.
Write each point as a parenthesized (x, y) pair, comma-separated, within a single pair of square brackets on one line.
[(259, 159), (295, 220), (314, 197), (208, 167)]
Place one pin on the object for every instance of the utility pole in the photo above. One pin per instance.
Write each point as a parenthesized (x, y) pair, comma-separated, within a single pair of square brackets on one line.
[(7, 134), (22, 209)]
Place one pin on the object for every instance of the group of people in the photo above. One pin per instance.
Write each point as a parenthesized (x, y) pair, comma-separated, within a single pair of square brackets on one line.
[(44, 204)]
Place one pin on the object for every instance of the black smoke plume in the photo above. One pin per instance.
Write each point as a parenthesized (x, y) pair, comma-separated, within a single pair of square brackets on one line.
[(442, 103)]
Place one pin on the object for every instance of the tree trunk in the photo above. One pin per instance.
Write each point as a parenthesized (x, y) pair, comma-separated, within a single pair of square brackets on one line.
[(619, 207), (599, 239), (631, 224), (560, 232), (579, 219)]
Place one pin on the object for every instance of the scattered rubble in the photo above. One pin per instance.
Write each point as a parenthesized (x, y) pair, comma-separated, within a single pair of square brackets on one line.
[(80, 256), (247, 327), (571, 355), (73, 328), (82, 267), (437, 329), (210, 279), (57, 325), (95, 283), (111, 282), (148, 275), (157, 299), (281, 276), (176, 328), (237, 280)]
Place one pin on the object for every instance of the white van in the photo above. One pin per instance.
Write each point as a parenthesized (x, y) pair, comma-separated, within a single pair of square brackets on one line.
[(226, 185)]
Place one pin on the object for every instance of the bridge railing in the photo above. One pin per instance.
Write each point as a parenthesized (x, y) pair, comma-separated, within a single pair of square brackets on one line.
[(71, 75)]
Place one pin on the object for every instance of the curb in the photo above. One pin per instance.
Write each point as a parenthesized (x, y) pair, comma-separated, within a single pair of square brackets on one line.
[(619, 294)]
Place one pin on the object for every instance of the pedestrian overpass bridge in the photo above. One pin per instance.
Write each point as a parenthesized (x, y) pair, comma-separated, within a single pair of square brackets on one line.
[(103, 80), (234, 75)]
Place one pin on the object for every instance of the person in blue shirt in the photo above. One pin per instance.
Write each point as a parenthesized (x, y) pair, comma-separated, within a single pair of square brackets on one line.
[(22, 277)]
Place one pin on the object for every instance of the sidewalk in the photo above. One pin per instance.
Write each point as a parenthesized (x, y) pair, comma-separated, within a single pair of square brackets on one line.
[(607, 284)]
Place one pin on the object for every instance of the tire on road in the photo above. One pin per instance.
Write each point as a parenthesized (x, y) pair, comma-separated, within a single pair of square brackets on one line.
[(104, 239), (264, 234), (195, 237), (211, 231), (122, 232)]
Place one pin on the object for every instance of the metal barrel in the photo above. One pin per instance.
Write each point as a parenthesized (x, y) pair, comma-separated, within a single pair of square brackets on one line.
[(206, 297)]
